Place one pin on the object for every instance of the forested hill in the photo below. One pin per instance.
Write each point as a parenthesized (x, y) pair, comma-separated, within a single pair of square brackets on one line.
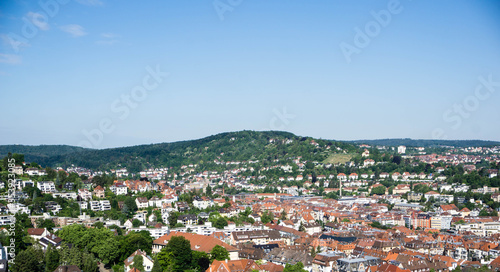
[(225, 147), (265, 146), (427, 143), (35, 153)]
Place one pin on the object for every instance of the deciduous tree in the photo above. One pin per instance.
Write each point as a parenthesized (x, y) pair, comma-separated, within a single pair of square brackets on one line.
[(138, 263), (219, 253)]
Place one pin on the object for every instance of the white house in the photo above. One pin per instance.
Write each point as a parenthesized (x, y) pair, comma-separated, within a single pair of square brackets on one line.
[(46, 186), (141, 216), (342, 177), (18, 170), (85, 194), (21, 184), (17, 207), (95, 205), (353, 176), (119, 189), (142, 202), (102, 205), (35, 172), (202, 202), (155, 202), (384, 175), (128, 224), (105, 205), (37, 233), (147, 261), (83, 205), (67, 195), (368, 162)]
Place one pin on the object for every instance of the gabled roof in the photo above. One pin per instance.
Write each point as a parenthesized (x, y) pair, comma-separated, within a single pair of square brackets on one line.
[(34, 231), (271, 267), (449, 207), (243, 265), (495, 263), (386, 267), (130, 259), (198, 242), (67, 268)]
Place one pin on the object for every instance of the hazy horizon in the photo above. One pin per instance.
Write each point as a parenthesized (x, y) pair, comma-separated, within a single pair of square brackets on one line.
[(194, 139)]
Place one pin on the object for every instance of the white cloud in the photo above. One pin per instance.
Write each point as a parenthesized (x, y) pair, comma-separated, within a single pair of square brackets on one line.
[(10, 59), (109, 35), (39, 20), (109, 39), (90, 2), (74, 30)]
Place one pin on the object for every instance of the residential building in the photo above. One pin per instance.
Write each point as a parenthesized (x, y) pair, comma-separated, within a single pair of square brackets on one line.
[(147, 261), (99, 192), (84, 194), (142, 202), (46, 186), (198, 243)]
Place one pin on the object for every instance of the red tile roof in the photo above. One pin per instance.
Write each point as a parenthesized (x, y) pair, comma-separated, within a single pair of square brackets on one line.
[(198, 242)]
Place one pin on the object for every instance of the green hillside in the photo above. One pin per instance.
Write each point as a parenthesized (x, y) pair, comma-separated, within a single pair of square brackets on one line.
[(232, 146), (39, 152), (264, 146)]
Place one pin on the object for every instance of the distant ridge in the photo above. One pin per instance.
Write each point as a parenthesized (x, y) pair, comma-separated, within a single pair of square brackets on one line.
[(40, 152), (426, 143), (228, 146)]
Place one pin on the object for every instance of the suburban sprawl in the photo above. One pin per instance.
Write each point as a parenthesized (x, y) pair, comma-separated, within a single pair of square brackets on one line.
[(252, 201)]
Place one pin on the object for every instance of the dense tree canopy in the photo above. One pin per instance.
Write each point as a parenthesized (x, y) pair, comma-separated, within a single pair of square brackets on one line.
[(298, 267), (176, 255), (219, 253)]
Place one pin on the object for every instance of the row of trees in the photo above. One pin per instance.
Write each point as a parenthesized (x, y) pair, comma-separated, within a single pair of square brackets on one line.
[(103, 243)]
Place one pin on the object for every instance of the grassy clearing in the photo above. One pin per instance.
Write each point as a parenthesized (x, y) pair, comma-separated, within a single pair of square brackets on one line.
[(338, 158)]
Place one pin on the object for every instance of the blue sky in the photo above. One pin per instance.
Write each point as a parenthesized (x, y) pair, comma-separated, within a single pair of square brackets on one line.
[(416, 69)]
